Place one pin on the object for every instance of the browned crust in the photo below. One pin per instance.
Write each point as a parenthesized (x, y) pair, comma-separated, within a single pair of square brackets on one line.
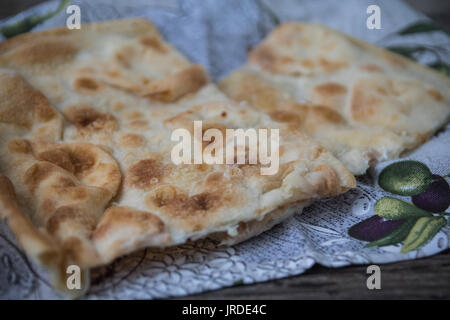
[(37, 244), (23, 106), (253, 228), (121, 224), (334, 113), (71, 187), (130, 27)]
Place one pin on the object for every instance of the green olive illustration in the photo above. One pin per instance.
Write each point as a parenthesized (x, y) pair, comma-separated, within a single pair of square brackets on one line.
[(394, 209), (405, 178)]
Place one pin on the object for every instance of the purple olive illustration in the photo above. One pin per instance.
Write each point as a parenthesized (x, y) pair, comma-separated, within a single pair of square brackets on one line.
[(436, 198), (374, 228)]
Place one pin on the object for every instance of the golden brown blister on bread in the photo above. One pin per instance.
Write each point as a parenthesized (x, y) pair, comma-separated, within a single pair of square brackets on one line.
[(99, 181), (361, 102), (26, 109)]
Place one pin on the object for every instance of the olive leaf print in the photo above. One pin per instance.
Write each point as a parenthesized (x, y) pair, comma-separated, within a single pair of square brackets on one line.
[(419, 27), (414, 51), (396, 221), (423, 231)]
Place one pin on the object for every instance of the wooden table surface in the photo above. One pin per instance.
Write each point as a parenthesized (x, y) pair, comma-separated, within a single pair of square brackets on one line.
[(427, 278)]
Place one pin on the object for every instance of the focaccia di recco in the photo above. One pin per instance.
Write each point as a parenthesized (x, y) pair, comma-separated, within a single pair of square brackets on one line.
[(86, 118), (361, 102)]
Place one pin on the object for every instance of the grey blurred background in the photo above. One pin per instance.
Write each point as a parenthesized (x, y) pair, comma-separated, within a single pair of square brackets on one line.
[(437, 10)]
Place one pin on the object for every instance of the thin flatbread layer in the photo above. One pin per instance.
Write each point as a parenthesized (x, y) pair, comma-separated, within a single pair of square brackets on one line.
[(361, 102), (86, 118)]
